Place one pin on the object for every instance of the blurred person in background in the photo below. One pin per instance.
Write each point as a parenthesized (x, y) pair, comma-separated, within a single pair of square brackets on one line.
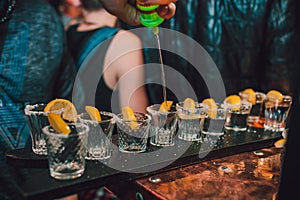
[(35, 66), (118, 62), (70, 14)]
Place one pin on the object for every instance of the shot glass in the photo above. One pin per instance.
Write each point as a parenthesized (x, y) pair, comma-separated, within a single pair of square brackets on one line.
[(163, 126), (190, 121), (276, 113), (214, 120), (236, 116), (66, 152), (37, 119), (133, 135), (99, 139), (257, 109)]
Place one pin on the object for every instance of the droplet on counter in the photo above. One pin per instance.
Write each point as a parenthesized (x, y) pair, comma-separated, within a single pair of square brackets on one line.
[(258, 153), (225, 169), (154, 179)]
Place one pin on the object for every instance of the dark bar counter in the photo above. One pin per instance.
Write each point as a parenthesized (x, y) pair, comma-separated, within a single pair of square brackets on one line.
[(27, 175)]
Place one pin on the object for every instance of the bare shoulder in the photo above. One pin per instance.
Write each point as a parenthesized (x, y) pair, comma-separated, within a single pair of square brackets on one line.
[(127, 38), (125, 50)]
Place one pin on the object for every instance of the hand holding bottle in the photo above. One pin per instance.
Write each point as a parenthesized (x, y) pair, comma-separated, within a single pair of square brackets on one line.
[(127, 12)]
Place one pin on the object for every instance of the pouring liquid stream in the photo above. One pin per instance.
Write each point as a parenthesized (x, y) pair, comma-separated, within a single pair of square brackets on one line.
[(163, 77)]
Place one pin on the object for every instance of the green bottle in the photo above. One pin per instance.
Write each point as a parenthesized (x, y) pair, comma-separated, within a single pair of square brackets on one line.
[(149, 16)]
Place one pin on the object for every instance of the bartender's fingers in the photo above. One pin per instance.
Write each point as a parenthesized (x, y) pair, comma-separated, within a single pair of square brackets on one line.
[(123, 10), (166, 11), (160, 2)]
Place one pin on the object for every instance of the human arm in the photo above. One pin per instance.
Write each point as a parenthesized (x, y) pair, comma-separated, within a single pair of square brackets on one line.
[(126, 11), (124, 68)]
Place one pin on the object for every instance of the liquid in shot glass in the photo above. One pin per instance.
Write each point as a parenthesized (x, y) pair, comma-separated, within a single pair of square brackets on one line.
[(237, 112), (133, 133), (276, 113), (257, 99), (163, 125), (214, 120), (99, 138), (191, 115)]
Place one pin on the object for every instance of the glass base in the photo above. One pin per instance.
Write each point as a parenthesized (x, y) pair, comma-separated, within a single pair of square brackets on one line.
[(163, 138), (98, 157), (190, 137), (235, 128), (132, 149), (98, 154), (66, 176), (162, 144), (42, 152), (213, 133), (274, 129), (252, 119)]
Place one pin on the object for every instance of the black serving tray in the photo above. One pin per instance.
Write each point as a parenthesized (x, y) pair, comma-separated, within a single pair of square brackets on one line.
[(36, 183)]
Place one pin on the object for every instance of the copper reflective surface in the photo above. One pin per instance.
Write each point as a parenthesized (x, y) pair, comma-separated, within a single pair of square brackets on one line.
[(250, 175)]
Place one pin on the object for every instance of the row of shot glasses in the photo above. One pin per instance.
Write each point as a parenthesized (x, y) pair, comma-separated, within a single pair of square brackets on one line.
[(93, 140)]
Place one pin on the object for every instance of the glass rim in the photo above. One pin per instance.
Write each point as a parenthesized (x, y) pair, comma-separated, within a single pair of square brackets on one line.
[(200, 109), (29, 110), (61, 135), (220, 106), (284, 99), (256, 92), (147, 117), (112, 119), (198, 105), (156, 111), (243, 102)]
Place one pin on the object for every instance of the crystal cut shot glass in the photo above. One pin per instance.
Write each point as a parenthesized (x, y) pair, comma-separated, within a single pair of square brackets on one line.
[(99, 139), (190, 121), (236, 116), (133, 135), (37, 119), (66, 152), (163, 125), (276, 114), (257, 110), (214, 120)]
